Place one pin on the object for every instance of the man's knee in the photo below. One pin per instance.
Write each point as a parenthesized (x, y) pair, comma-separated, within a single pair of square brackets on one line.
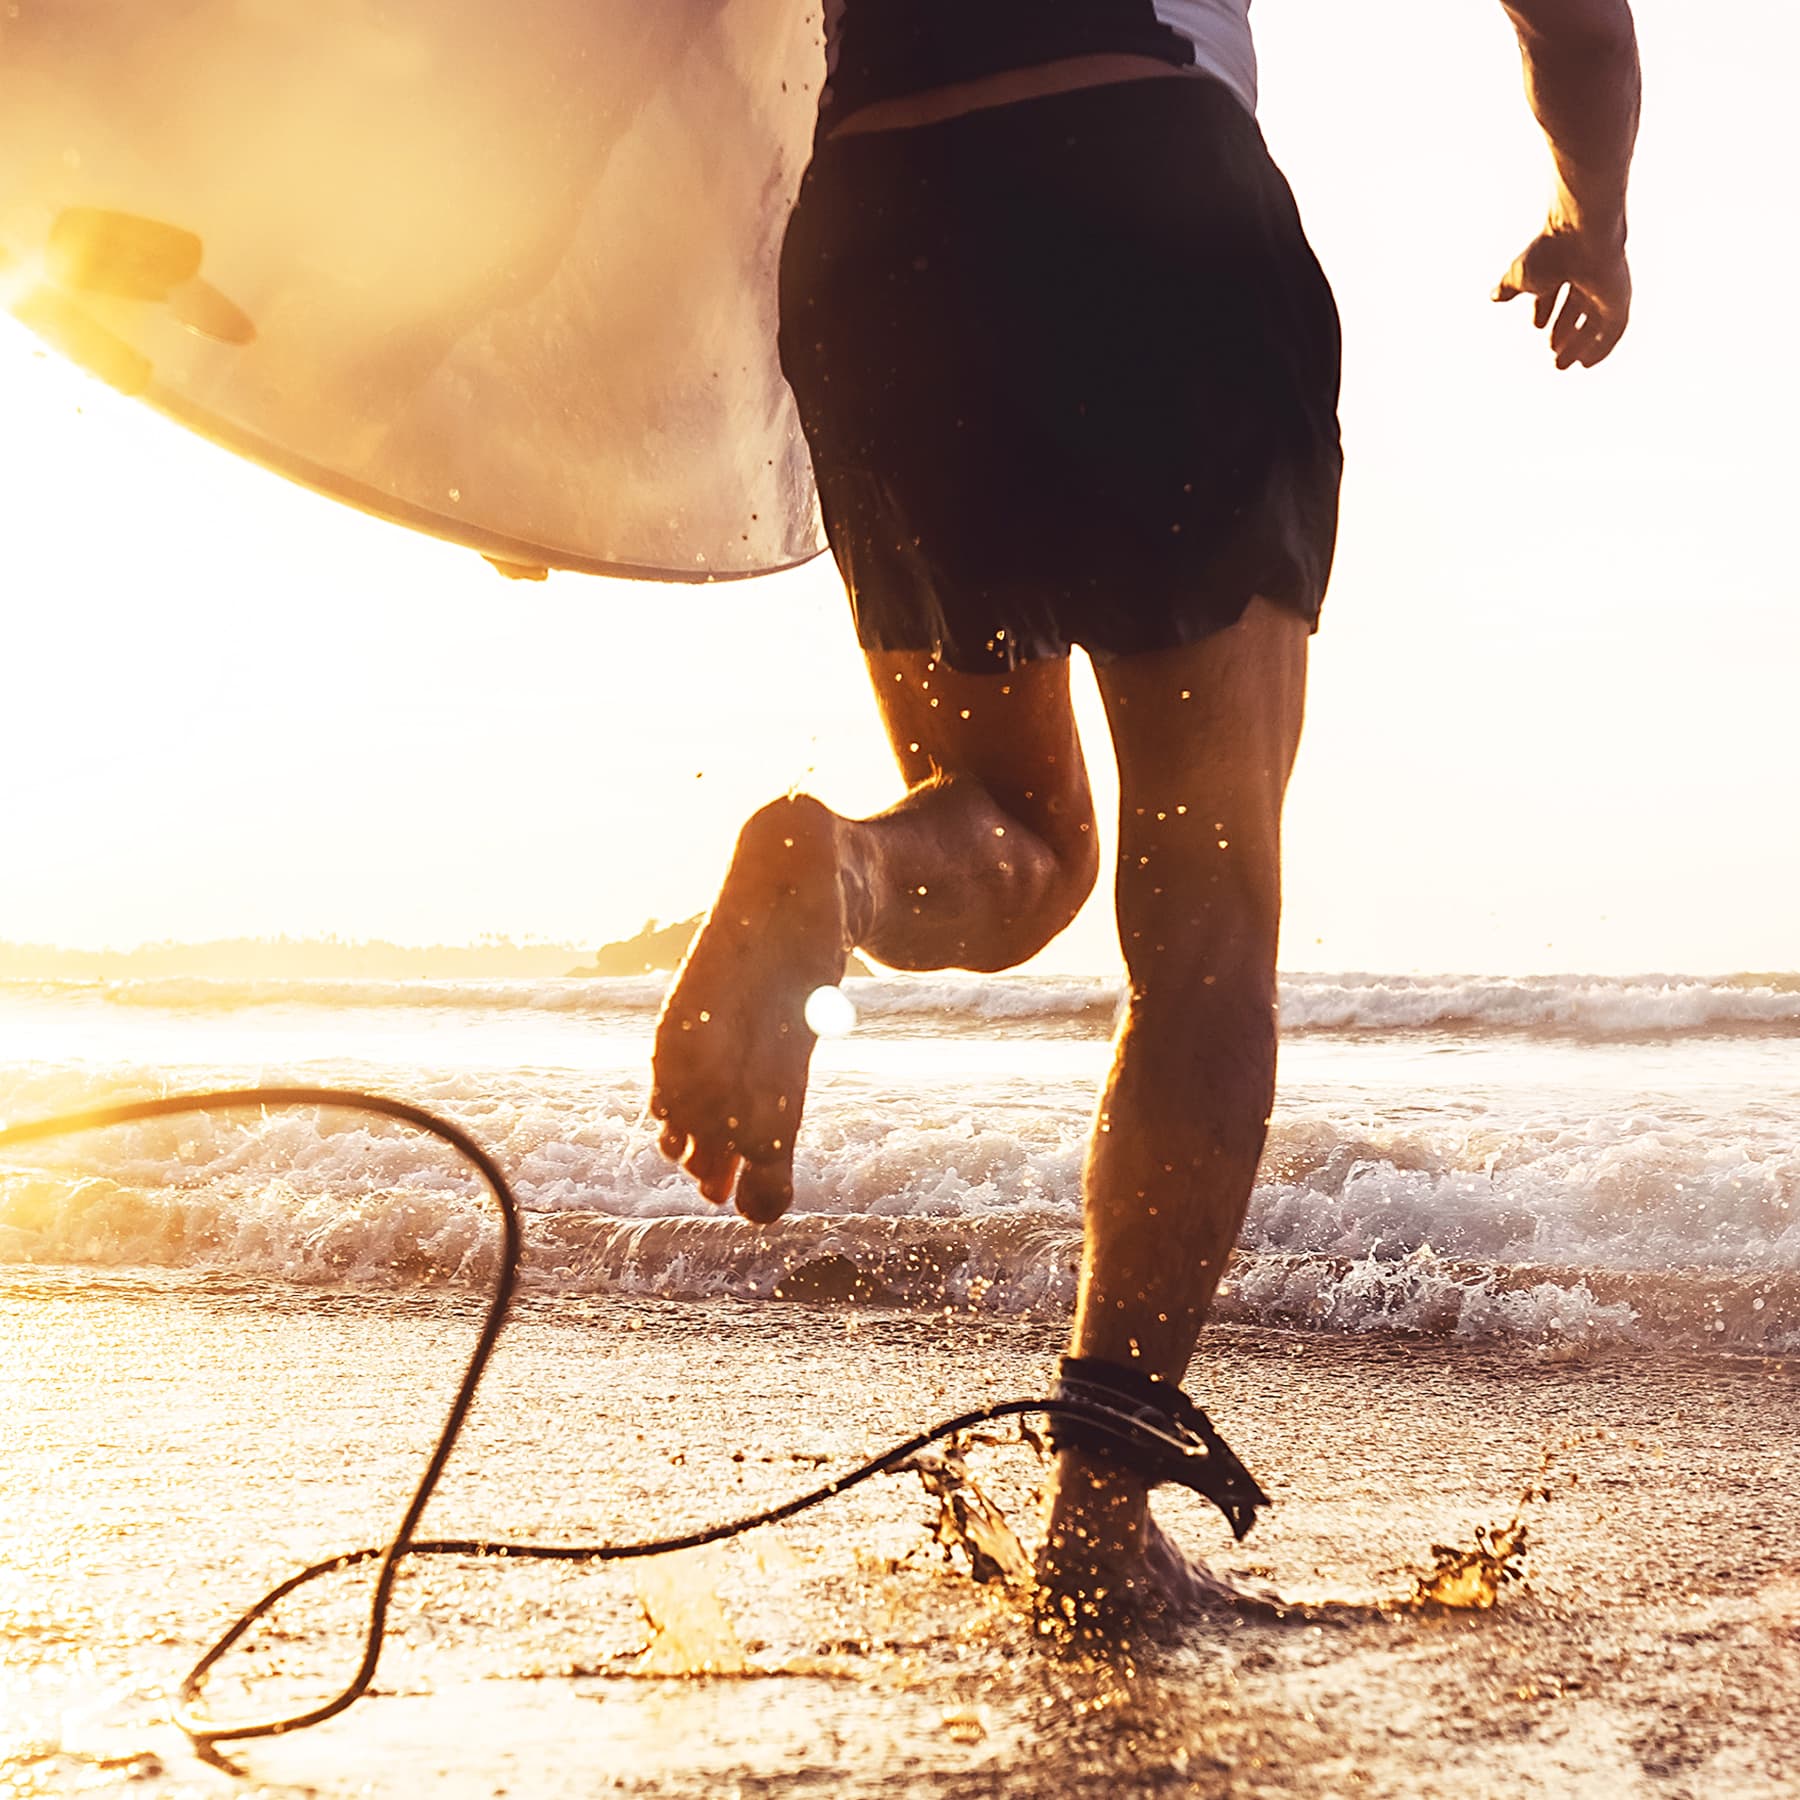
[(1077, 869), (1205, 1042), (1200, 958), (1041, 907), (1226, 998), (1201, 918)]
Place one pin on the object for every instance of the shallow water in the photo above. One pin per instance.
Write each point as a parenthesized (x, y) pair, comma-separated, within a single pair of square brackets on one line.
[(1557, 1163), (173, 1444), (1508, 1236)]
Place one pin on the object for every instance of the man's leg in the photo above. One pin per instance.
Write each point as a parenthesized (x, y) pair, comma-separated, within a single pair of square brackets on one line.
[(1205, 738), (987, 858)]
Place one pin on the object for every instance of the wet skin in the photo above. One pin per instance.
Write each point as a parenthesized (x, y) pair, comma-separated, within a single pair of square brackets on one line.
[(979, 868), (732, 1044), (969, 870), (991, 853)]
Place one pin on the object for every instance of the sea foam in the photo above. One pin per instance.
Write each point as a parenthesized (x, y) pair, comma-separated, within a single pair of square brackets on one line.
[(1593, 1008), (1570, 1230)]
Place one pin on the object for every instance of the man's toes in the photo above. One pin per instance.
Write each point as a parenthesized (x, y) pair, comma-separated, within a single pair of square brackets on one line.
[(714, 1165), (765, 1190)]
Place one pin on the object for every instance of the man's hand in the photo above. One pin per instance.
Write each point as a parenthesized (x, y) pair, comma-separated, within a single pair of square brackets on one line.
[(1582, 78), (1587, 272)]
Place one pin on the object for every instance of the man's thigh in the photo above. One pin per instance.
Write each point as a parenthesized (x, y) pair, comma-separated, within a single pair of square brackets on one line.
[(1205, 737), (1013, 731)]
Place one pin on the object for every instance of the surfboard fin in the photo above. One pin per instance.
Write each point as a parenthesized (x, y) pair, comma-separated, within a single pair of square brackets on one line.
[(1153, 1428), (97, 250)]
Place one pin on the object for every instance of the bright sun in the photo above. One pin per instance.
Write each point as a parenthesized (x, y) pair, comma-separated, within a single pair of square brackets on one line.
[(1549, 725)]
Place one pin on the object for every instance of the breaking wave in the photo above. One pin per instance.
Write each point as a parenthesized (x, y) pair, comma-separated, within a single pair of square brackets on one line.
[(1594, 1008), (1563, 1234)]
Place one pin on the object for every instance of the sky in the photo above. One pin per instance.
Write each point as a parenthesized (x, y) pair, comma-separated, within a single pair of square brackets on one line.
[(1551, 722)]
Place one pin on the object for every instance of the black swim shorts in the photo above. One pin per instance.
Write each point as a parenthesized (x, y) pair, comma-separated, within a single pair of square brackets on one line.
[(1068, 369)]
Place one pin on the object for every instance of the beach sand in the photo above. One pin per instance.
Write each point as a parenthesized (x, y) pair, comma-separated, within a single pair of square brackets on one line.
[(173, 1445)]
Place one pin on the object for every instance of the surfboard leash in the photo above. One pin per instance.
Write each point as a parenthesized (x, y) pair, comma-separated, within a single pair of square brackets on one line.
[(1164, 1437)]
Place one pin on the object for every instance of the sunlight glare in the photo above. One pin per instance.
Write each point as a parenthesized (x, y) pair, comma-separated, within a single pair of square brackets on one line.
[(830, 1012), (19, 277)]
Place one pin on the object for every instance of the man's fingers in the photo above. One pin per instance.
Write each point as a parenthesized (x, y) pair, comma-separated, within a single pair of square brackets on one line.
[(1598, 346), (673, 1142), (1562, 333), (1543, 299), (1580, 289), (1532, 273), (1584, 332), (1591, 344), (1572, 344)]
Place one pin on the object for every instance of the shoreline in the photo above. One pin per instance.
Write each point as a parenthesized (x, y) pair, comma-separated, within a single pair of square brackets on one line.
[(1023, 1264), (1653, 1648)]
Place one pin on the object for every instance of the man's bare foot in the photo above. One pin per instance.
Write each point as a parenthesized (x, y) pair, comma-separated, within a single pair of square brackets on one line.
[(732, 1045), (1106, 1567)]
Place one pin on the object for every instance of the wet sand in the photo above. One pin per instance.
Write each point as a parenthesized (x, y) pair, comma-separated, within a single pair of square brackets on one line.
[(169, 1447)]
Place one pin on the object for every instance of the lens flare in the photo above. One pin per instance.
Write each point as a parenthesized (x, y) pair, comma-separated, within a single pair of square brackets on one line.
[(829, 1012)]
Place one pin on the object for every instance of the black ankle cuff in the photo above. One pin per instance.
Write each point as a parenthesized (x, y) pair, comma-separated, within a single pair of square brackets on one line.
[(1149, 1426)]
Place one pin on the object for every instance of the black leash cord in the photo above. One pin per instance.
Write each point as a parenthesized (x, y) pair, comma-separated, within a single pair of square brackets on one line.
[(202, 1730), (199, 1729)]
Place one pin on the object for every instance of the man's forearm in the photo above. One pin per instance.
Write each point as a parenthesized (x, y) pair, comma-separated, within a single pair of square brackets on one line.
[(1582, 78)]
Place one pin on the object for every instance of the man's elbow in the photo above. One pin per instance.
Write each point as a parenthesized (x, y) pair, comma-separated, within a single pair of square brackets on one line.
[(1598, 33)]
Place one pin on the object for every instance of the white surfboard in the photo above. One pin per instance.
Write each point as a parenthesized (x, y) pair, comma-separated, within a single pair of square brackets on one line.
[(503, 273)]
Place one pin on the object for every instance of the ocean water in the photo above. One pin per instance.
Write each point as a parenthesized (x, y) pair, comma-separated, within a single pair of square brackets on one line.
[(1556, 1163), (1511, 1237)]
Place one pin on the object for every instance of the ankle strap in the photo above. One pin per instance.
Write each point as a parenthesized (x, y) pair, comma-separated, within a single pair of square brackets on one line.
[(1149, 1426)]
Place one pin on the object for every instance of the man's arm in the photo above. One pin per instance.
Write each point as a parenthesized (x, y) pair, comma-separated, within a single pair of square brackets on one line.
[(1581, 76)]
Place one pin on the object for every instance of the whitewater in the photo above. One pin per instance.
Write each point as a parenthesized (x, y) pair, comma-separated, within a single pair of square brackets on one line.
[(1560, 1164)]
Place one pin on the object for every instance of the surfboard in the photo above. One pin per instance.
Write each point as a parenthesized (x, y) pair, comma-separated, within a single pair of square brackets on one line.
[(504, 274)]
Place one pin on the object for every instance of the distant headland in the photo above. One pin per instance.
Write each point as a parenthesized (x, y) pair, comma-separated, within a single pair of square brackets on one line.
[(658, 947), (655, 949)]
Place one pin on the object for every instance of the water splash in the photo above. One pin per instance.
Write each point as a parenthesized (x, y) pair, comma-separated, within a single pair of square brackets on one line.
[(967, 1519), (691, 1633), (1463, 1577), (1470, 1579)]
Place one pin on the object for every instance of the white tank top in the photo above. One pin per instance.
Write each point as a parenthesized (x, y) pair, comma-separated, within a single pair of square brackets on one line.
[(1219, 30), (879, 49)]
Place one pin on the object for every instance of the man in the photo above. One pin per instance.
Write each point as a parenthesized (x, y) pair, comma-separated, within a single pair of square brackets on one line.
[(1069, 375)]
